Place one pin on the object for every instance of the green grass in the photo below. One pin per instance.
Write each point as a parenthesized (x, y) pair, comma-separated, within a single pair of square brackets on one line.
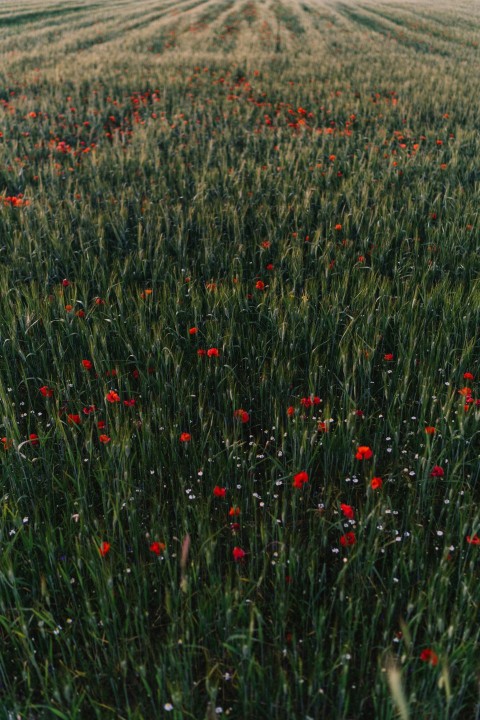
[(160, 166)]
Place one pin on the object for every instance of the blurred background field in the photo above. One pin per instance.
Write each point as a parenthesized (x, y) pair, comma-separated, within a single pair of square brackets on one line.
[(238, 242)]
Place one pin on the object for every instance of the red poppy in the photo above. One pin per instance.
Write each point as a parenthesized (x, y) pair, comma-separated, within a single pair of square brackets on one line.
[(219, 491), (89, 410), (101, 424), (338, 226), (242, 414), (348, 539), (376, 483), (290, 411), (437, 471), (307, 402), (104, 439), (112, 397), (238, 553), (430, 430), (348, 511), (260, 285), (104, 548), (87, 364), (429, 656), (473, 540), (129, 403), (201, 353), (468, 376), (388, 356), (34, 439), (157, 547), (234, 510), (74, 419), (269, 266), (193, 331), (65, 282), (322, 426), (46, 391), (185, 437), (300, 479), (213, 352), (364, 453)]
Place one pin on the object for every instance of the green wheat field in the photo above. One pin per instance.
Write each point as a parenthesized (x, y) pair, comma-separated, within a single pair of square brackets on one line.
[(239, 360)]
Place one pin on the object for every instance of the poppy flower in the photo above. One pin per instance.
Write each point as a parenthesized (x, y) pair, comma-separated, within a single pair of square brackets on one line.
[(437, 471), (129, 403), (266, 244), (269, 266), (104, 548), (376, 483), (87, 364), (473, 540), (322, 426), (101, 424), (104, 439), (74, 419), (201, 353), (260, 285), (364, 453), (348, 511), (89, 410), (112, 397), (157, 547), (193, 331), (234, 510), (219, 491), (238, 554), (300, 479), (242, 414), (388, 356), (338, 227), (213, 352), (430, 430), (34, 439), (468, 376), (290, 411), (465, 391), (185, 437), (348, 539), (429, 656), (46, 391), (65, 282)]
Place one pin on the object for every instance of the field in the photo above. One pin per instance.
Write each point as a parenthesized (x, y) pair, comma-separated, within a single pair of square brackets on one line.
[(239, 360)]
